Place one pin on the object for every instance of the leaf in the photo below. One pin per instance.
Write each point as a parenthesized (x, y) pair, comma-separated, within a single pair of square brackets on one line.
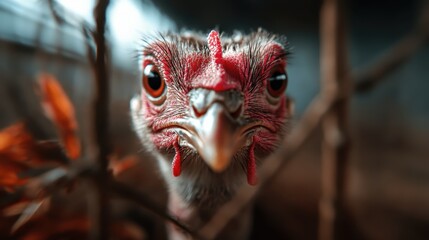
[(13, 142), (59, 109), (38, 190), (20, 153), (9, 180), (17, 145), (118, 166), (16, 208), (33, 209)]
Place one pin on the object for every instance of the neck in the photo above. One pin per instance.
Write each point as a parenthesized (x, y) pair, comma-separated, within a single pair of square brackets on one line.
[(196, 216), (198, 193)]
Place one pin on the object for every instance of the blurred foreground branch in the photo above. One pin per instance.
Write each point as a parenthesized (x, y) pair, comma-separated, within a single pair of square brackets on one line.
[(336, 141), (330, 104), (272, 166), (317, 110), (58, 179), (100, 200), (141, 199)]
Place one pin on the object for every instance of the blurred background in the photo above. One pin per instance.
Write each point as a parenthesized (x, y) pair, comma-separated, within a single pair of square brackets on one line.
[(388, 180)]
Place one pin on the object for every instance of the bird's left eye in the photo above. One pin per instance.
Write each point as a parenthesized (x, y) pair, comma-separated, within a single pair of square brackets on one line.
[(277, 83), (153, 83)]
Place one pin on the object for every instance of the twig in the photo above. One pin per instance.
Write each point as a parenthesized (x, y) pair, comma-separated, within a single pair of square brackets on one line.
[(42, 186), (53, 8), (60, 178), (100, 203), (403, 50), (64, 17), (131, 194), (272, 166), (335, 150), (311, 119), (90, 48)]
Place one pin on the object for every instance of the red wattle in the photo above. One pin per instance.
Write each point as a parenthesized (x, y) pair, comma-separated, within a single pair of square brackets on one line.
[(176, 165), (251, 166)]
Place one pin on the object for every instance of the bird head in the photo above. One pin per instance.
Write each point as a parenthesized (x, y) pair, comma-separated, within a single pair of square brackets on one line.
[(218, 99)]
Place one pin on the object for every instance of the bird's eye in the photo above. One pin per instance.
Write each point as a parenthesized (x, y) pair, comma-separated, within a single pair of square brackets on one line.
[(153, 83), (277, 83)]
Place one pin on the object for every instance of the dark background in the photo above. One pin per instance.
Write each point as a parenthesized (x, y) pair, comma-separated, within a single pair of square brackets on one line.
[(388, 181)]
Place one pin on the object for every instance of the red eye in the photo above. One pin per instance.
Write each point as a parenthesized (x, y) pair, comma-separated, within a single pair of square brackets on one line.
[(153, 83), (277, 83)]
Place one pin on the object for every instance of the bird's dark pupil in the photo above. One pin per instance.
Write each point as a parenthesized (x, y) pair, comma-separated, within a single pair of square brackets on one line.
[(154, 80), (277, 80)]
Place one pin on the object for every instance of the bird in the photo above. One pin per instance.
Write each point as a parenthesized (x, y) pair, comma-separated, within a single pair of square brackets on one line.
[(212, 107)]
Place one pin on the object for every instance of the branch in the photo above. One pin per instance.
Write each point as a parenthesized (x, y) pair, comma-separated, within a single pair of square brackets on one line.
[(64, 17), (396, 56), (100, 202), (272, 166), (42, 186), (143, 200), (335, 151), (58, 17), (59, 178)]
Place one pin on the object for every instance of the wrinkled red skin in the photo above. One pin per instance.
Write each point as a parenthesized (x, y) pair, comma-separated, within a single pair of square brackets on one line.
[(219, 71), (188, 61)]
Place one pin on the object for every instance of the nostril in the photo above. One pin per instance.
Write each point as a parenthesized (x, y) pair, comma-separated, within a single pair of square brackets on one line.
[(236, 113), (196, 112)]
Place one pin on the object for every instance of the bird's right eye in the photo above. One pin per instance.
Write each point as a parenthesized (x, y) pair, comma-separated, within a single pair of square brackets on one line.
[(153, 83)]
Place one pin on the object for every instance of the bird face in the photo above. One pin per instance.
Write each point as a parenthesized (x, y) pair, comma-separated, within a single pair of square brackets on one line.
[(212, 100)]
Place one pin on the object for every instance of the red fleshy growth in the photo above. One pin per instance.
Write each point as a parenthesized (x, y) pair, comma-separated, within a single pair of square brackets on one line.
[(176, 165), (251, 166), (213, 42)]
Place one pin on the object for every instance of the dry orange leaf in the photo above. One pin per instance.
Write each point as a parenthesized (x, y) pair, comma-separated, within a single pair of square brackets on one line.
[(117, 166), (13, 141), (8, 180), (59, 109), (19, 152)]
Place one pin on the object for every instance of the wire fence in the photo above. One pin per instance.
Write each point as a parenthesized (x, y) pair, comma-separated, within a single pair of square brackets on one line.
[(330, 109)]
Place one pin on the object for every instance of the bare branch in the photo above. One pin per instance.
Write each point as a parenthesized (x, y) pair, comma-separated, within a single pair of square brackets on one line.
[(100, 203), (64, 17), (53, 8), (272, 166), (57, 179), (335, 150), (44, 185), (143, 200), (90, 48)]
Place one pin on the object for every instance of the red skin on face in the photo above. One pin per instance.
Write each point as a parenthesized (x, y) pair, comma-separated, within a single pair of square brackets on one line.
[(218, 71)]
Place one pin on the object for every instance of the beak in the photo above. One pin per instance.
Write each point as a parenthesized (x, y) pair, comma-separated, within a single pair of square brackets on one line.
[(220, 137), (216, 135)]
